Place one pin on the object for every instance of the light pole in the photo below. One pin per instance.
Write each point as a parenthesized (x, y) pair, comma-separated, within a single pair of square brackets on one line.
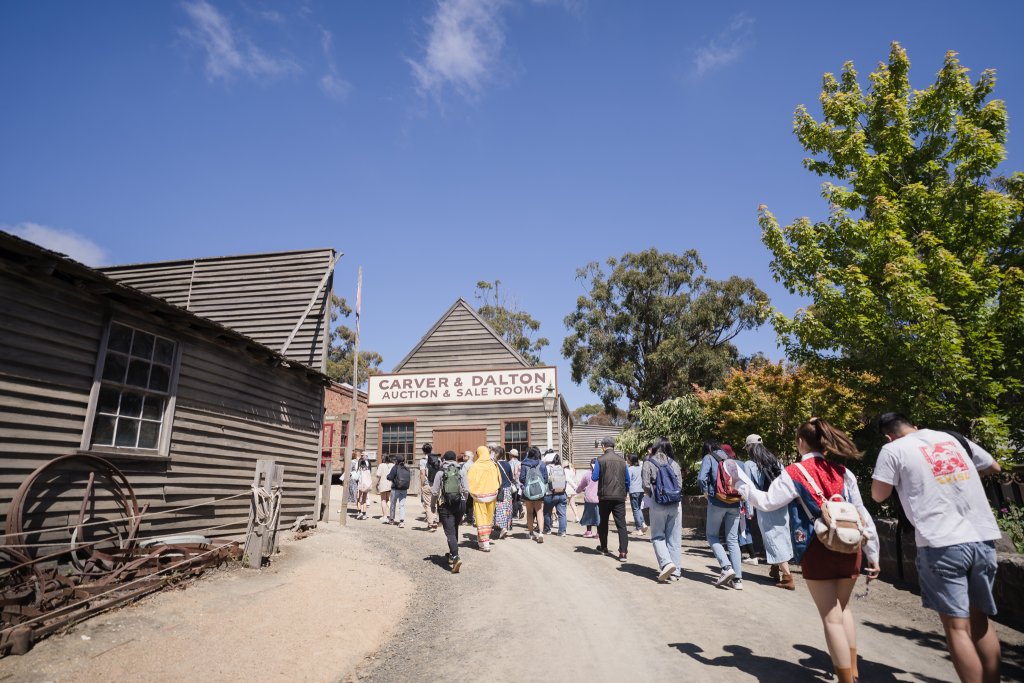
[(549, 408)]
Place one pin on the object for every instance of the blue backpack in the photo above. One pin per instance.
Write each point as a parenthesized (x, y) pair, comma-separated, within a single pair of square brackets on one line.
[(666, 487)]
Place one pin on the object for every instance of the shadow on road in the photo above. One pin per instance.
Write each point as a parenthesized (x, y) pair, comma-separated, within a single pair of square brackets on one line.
[(649, 572), (764, 669), (1012, 661), (439, 561), (869, 671), (817, 663)]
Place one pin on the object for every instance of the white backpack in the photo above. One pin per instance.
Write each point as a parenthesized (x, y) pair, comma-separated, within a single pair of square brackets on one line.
[(840, 527)]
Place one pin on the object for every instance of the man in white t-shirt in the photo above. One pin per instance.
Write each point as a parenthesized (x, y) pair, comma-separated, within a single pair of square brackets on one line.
[(939, 485)]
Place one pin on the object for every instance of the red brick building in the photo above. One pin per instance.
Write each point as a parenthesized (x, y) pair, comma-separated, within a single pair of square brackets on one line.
[(337, 412)]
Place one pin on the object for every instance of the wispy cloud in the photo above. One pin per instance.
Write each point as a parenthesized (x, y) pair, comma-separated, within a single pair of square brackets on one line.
[(64, 241), (727, 47), (230, 53), (333, 85), (462, 50)]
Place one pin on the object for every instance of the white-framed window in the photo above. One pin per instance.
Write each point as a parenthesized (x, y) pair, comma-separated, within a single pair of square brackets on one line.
[(132, 400)]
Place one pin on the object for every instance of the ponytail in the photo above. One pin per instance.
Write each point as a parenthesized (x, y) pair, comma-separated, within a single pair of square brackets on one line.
[(825, 438)]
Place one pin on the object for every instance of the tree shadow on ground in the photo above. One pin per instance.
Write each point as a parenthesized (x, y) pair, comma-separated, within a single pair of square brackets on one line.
[(1012, 657)]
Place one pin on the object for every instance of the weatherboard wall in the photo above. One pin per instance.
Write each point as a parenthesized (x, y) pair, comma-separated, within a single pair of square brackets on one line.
[(232, 406)]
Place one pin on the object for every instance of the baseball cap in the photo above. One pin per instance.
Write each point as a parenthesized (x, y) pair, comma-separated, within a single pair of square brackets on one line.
[(513, 451), (753, 438)]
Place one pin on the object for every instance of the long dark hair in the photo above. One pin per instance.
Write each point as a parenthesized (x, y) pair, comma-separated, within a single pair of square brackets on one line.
[(663, 445), (769, 465), (710, 446), (826, 439)]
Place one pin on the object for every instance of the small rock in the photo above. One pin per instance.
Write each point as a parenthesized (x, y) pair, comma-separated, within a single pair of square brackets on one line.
[(84, 637)]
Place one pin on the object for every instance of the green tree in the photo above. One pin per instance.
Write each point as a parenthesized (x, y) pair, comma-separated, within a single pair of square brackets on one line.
[(774, 399), (684, 421), (339, 353), (655, 325), (516, 327), (914, 277), (597, 414)]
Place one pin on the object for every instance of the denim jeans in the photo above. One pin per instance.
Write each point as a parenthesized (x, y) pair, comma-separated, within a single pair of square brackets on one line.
[(666, 535), (398, 499), (558, 502), (719, 517), (638, 515)]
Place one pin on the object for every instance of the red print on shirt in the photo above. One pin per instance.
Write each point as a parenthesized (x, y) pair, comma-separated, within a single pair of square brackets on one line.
[(945, 459)]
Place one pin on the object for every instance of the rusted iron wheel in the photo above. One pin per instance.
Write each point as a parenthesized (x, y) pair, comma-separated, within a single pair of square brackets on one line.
[(98, 541)]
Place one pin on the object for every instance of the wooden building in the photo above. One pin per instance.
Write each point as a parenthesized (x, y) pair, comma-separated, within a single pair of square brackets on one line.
[(586, 442), (172, 377), (338, 399), (463, 386)]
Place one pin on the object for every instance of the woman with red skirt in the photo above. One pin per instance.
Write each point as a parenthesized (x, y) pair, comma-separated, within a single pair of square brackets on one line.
[(830, 575)]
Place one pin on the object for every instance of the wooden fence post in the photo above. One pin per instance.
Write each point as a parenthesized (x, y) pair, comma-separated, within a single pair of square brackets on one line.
[(259, 528), (325, 489), (276, 483)]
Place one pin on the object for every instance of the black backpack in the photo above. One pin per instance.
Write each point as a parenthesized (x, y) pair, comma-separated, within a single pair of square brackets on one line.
[(433, 467), (402, 477)]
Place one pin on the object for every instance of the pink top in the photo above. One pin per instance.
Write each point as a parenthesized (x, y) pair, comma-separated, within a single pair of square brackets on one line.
[(588, 487)]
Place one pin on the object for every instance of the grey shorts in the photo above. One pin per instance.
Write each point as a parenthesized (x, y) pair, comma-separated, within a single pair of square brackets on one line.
[(957, 578)]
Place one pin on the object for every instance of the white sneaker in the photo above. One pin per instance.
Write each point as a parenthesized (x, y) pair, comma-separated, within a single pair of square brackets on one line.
[(737, 584), (726, 577), (666, 572), (751, 560)]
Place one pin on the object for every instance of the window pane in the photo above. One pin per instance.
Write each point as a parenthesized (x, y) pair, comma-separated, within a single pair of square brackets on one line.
[(103, 430), (131, 404), (127, 432), (114, 367), (153, 409), (149, 434), (160, 378), (397, 439), (108, 400), (120, 338), (138, 373), (164, 351), (143, 345)]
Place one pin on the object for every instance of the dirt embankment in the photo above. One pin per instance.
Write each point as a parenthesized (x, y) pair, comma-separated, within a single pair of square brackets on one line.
[(309, 616)]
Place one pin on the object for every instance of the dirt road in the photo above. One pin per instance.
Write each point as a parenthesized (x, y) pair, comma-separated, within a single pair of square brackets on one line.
[(376, 603)]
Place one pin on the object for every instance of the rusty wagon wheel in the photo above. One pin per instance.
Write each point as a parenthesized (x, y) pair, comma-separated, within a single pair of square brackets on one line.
[(77, 506)]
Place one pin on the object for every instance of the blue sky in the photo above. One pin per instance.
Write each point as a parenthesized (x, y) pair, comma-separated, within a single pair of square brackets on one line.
[(442, 143)]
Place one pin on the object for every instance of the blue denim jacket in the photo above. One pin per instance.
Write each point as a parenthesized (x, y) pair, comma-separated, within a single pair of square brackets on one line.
[(707, 478)]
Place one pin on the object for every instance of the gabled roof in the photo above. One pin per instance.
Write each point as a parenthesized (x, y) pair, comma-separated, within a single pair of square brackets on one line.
[(281, 299), (21, 255), (462, 304)]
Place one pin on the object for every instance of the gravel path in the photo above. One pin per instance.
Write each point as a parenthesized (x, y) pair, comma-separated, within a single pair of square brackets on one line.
[(530, 611), (370, 602)]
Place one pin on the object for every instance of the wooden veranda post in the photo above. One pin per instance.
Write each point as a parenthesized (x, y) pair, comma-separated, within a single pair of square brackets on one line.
[(351, 442)]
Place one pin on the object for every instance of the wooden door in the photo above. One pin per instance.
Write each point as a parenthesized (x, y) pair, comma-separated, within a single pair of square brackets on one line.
[(459, 439)]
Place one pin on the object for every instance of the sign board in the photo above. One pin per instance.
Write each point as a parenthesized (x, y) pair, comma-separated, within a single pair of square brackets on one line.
[(471, 386)]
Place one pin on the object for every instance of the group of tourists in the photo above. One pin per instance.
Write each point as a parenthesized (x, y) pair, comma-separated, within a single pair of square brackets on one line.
[(809, 512)]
